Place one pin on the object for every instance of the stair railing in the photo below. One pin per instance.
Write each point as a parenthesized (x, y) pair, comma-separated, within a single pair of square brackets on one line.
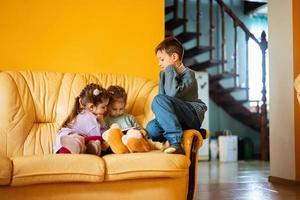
[(263, 46), (223, 45), (211, 30)]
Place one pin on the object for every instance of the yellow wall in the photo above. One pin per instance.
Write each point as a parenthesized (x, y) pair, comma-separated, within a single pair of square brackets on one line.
[(296, 44), (117, 36)]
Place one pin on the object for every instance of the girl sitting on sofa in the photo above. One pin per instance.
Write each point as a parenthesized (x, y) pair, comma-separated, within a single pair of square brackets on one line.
[(116, 115), (116, 109), (81, 131)]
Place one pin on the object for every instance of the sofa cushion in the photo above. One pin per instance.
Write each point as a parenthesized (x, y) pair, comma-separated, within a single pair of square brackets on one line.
[(145, 165), (57, 168), (5, 170)]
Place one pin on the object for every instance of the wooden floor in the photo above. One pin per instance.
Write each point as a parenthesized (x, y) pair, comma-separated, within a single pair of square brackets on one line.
[(240, 180)]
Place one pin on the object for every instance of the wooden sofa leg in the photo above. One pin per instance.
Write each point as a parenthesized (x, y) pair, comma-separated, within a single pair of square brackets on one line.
[(193, 159)]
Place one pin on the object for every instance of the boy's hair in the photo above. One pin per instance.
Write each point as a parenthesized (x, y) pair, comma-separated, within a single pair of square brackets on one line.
[(116, 92), (171, 45), (91, 93)]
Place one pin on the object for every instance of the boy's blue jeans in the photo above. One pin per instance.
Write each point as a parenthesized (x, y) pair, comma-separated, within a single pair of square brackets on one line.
[(172, 116)]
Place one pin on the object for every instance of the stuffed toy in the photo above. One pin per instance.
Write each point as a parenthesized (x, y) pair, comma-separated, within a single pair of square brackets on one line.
[(132, 141), (135, 142)]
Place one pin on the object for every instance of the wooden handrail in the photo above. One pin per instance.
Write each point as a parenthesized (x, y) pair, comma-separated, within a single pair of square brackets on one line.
[(237, 20)]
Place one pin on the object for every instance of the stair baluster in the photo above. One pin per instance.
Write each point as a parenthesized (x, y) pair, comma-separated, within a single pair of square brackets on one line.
[(184, 15), (235, 69), (211, 29), (175, 2), (223, 47), (264, 120), (198, 15), (247, 64)]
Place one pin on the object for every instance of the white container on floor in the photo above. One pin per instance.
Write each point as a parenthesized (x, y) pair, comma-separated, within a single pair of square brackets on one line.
[(228, 146), (214, 149)]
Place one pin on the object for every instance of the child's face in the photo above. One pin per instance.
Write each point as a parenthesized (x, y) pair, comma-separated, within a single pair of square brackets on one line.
[(100, 109), (116, 108), (165, 59)]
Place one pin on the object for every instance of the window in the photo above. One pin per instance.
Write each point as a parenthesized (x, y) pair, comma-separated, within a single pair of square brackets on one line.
[(258, 24)]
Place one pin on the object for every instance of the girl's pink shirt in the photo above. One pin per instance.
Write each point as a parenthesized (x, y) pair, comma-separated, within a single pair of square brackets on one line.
[(85, 123)]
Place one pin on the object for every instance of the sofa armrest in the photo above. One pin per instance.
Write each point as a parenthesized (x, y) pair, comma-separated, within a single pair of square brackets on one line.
[(192, 141), (188, 137)]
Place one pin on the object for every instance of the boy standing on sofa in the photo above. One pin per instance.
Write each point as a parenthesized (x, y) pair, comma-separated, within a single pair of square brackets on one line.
[(176, 107)]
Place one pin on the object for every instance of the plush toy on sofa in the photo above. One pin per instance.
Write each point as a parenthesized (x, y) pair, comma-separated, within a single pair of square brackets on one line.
[(132, 141)]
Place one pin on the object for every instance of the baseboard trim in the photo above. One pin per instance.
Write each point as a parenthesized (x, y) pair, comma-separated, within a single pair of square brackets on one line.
[(274, 179)]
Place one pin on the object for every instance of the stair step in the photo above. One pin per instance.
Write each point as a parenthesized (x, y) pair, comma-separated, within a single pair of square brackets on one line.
[(249, 115), (234, 107), (251, 7), (174, 23), (233, 102), (204, 65), (250, 119), (187, 36), (169, 9), (196, 51), (218, 77), (231, 89), (237, 110)]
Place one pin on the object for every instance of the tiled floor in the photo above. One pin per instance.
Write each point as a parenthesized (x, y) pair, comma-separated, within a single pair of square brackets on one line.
[(240, 180)]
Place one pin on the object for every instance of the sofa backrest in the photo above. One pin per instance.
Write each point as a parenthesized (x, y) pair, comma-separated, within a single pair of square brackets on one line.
[(33, 105)]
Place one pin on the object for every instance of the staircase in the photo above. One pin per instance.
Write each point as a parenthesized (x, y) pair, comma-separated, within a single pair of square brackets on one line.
[(215, 60)]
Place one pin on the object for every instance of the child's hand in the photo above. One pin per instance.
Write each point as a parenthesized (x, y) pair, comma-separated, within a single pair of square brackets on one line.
[(169, 66), (163, 68)]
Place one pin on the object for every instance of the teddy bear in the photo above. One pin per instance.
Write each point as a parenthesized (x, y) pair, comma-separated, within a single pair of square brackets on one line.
[(132, 141)]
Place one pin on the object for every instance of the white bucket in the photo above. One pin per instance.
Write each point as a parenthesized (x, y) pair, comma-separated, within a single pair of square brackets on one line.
[(228, 146)]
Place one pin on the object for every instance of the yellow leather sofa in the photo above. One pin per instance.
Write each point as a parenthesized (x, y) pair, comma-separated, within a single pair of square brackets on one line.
[(32, 107)]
